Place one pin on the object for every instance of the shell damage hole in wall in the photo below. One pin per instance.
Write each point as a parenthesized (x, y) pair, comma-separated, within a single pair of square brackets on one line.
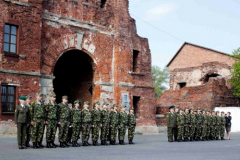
[(206, 78)]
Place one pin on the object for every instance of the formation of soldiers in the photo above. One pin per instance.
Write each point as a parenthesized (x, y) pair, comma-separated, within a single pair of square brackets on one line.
[(195, 125), (32, 118)]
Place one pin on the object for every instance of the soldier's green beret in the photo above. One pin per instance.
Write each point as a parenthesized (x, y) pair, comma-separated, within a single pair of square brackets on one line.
[(222, 112), (123, 106), (207, 110), (186, 108), (115, 105), (53, 95), (22, 98), (39, 94), (176, 107), (180, 109), (217, 111), (131, 108), (97, 102), (172, 107), (105, 103), (212, 111), (87, 103), (76, 101), (28, 97), (198, 108), (65, 97), (203, 110)]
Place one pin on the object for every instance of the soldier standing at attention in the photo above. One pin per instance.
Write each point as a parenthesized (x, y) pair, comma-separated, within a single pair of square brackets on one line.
[(218, 125), (213, 124), (51, 110), (123, 121), (131, 125), (199, 124), (208, 125), (192, 124), (171, 124), (97, 122), (180, 124), (70, 129), (223, 123), (29, 127), (176, 133), (21, 121), (114, 124), (86, 123), (187, 124), (105, 124), (76, 123), (37, 120), (64, 113), (204, 124)]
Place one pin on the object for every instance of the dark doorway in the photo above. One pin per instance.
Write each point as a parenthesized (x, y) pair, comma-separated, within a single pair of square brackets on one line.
[(136, 100), (74, 76), (181, 85), (208, 76)]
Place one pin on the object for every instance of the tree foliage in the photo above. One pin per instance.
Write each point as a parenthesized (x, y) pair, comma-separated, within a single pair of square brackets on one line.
[(235, 78), (160, 80)]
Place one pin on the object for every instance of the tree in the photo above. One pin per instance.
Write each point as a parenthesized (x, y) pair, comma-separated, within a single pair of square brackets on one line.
[(160, 80), (235, 78)]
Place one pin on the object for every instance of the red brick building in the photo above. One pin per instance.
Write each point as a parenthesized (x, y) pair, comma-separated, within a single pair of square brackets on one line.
[(86, 49), (198, 78)]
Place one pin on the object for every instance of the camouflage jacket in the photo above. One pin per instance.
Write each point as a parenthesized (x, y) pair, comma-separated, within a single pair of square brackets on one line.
[(204, 119), (180, 120), (105, 116), (131, 120), (192, 119), (114, 118), (96, 115), (208, 120), (37, 110), (213, 120), (218, 120), (198, 119), (123, 118), (86, 116), (64, 112), (223, 121), (51, 111), (187, 118), (76, 116)]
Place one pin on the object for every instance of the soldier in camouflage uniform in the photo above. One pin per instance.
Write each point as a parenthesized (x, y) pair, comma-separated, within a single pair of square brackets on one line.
[(180, 125), (171, 123), (64, 114), (192, 124), (29, 127), (187, 124), (223, 123), (97, 122), (204, 124), (208, 125), (86, 123), (123, 121), (105, 124), (218, 125), (114, 124), (176, 132), (199, 124), (131, 125), (51, 109), (213, 125), (76, 123), (37, 120)]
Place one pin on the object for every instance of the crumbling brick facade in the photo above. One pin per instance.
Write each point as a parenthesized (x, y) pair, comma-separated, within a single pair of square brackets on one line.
[(198, 78), (80, 48)]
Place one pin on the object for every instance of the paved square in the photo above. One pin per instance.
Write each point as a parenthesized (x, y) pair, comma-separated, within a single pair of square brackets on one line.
[(147, 147)]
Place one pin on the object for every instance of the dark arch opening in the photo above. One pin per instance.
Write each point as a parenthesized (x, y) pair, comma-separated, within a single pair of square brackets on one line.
[(208, 76), (74, 76), (103, 3)]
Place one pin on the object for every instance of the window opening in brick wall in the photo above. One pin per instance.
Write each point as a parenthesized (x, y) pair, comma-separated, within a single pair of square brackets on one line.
[(10, 39), (136, 103), (135, 61), (103, 2), (182, 84), (8, 96)]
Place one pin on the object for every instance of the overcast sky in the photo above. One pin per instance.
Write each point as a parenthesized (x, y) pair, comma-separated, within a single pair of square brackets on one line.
[(210, 23)]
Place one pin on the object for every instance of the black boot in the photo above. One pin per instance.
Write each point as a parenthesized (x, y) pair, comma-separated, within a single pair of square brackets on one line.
[(74, 144), (203, 139), (62, 145), (39, 145), (217, 138), (53, 144), (28, 144), (131, 142), (48, 145), (102, 142), (97, 144), (65, 144), (93, 143), (106, 143), (84, 143), (34, 145), (186, 139), (123, 143)]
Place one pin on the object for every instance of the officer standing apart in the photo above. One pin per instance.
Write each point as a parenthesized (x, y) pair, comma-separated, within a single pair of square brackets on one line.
[(64, 113), (105, 124), (51, 109), (76, 123), (37, 120), (29, 127), (114, 124), (21, 121), (123, 122), (86, 123), (97, 122), (131, 125), (171, 124)]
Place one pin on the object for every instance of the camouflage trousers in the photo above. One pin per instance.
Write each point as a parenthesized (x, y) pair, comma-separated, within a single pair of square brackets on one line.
[(222, 130), (38, 129), (180, 132), (204, 131), (208, 131), (186, 131), (217, 133), (63, 130), (131, 131), (212, 131), (198, 131), (105, 132), (86, 131), (21, 134), (122, 132), (51, 130), (76, 132), (192, 131), (113, 132), (95, 131), (29, 133), (171, 132)]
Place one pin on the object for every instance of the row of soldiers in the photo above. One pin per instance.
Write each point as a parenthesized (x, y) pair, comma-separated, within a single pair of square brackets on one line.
[(31, 119), (195, 125)]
